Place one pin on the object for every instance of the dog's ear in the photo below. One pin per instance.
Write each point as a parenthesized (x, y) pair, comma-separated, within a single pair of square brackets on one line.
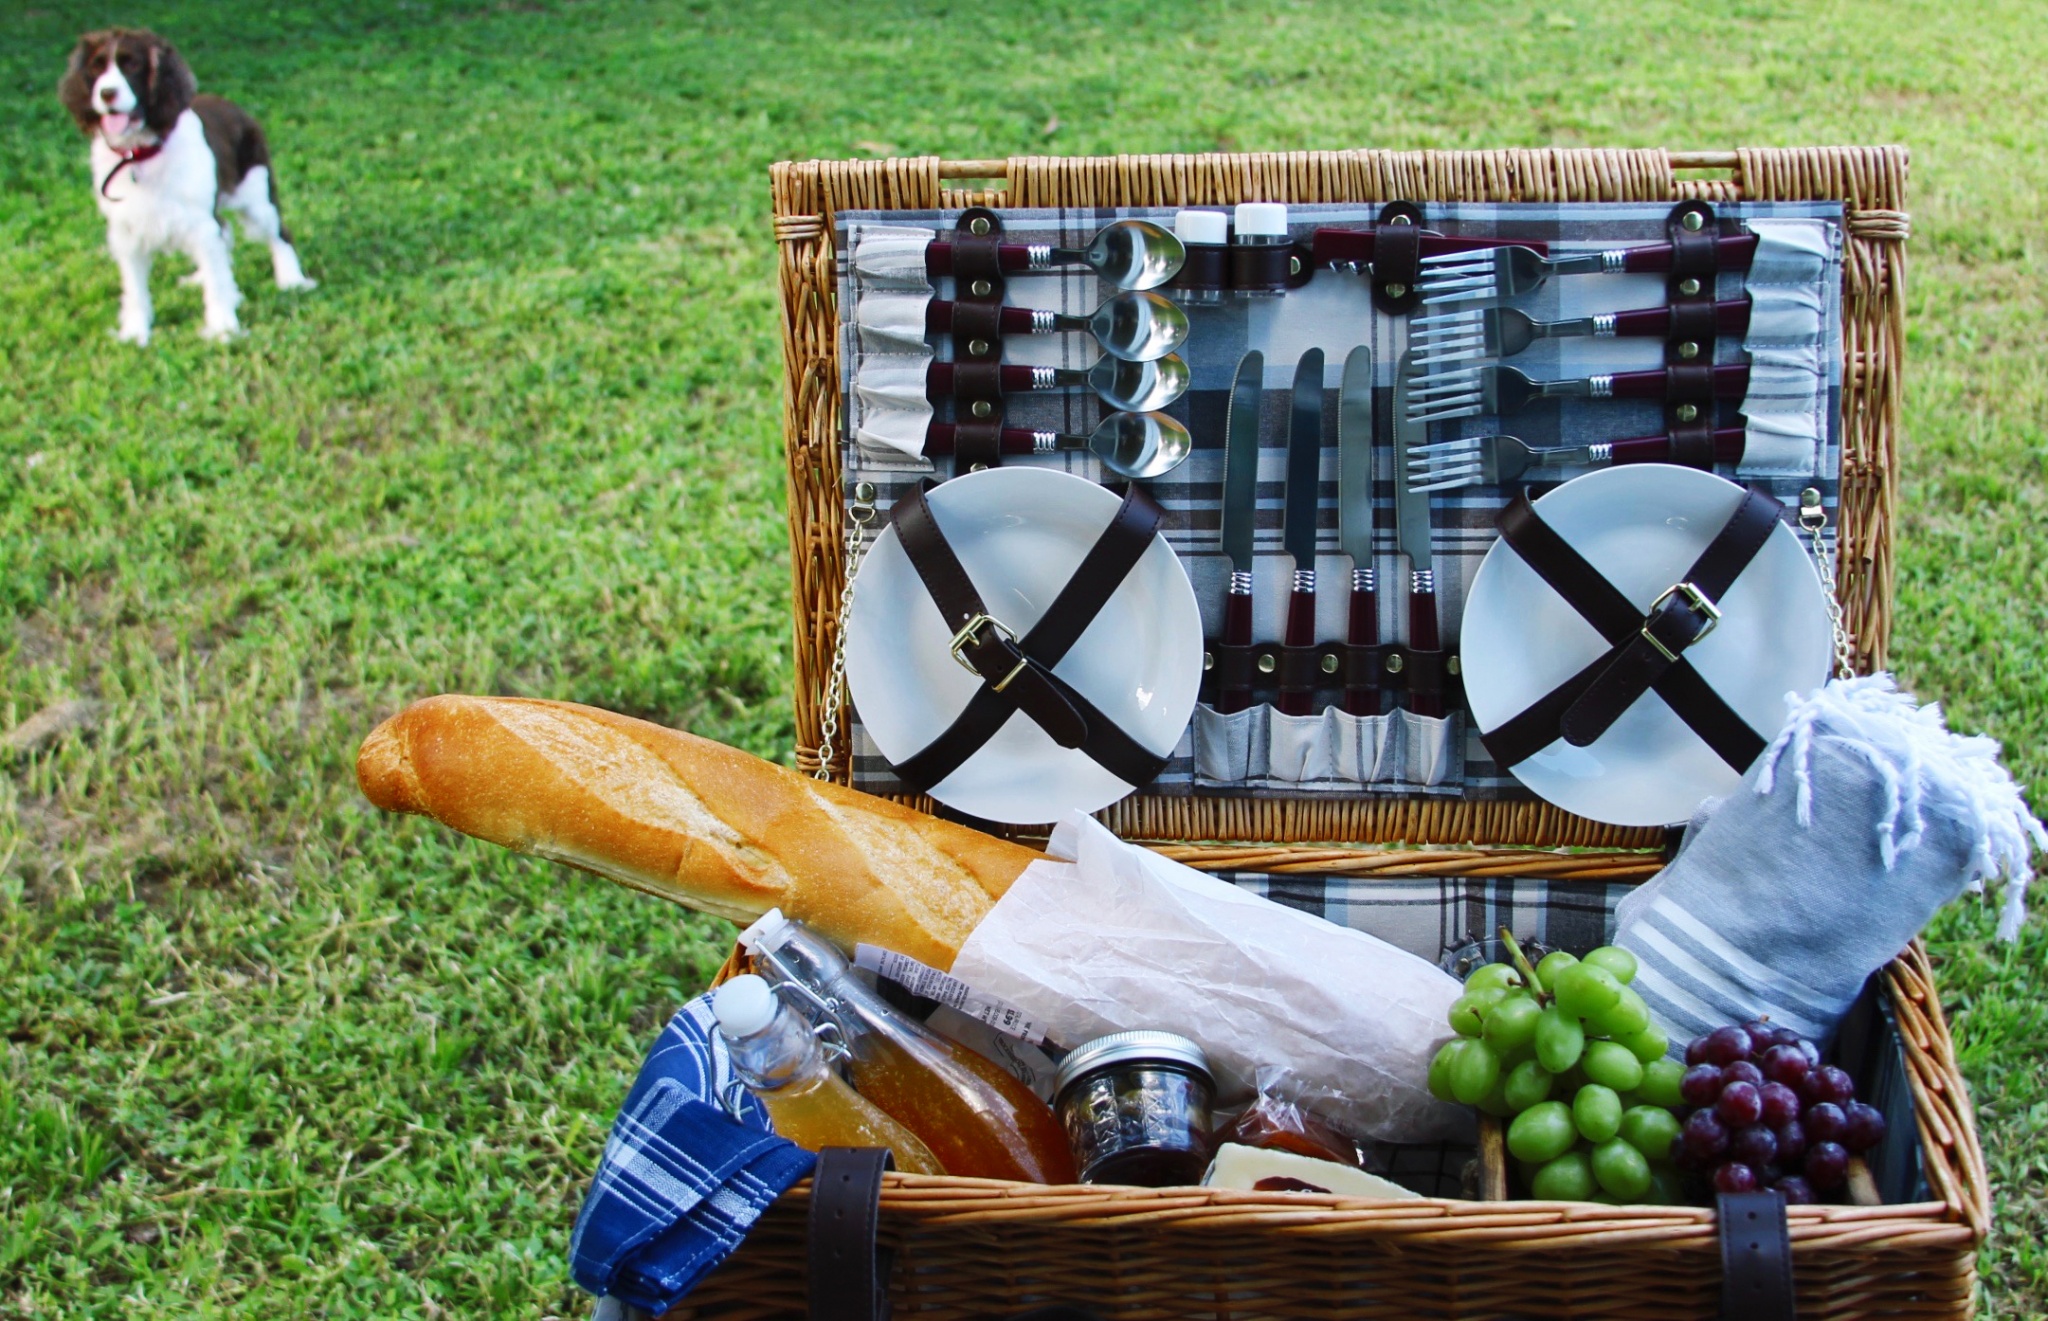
[(171, 86), (74, 89)]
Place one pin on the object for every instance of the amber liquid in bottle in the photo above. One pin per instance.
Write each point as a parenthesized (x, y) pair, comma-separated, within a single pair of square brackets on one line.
[(977, 1118)]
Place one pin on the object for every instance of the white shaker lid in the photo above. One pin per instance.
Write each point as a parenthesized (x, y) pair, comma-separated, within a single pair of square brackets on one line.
[(1262, 220), (744, 1005), (1210, 227)]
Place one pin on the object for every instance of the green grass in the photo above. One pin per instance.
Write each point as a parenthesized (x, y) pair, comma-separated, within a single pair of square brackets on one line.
[(268, 1051)]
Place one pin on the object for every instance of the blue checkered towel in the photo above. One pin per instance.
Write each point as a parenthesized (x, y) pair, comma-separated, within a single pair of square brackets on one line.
[(690, 1166)]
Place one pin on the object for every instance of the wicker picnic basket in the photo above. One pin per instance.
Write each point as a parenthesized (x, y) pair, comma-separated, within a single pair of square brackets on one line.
[(977, 1248)]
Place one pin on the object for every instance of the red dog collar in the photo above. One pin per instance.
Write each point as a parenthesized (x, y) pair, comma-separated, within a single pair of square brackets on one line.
[(134, 156)]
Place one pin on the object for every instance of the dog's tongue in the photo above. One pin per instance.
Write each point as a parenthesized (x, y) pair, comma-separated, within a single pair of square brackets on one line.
[(115, 125)]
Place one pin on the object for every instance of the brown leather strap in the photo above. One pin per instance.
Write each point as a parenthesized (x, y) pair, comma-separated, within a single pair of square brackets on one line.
[(1692, 444), (1587, 591), (1695, 319), (975, 258), (1685, 614), (1260, 266), (976, 445), (978, 321), (1096, 579), (849, 1272), (1756, 1258)]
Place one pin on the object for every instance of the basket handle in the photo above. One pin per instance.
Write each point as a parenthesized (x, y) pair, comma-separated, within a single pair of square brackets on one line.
[(1756, 1258)]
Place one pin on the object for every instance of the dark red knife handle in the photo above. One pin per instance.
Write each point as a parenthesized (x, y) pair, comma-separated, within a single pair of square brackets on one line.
[(1733, 254), (1364, 631), (1731, 317), (938, 257), (938, 319), (1237, 632), (1423, 636), (1729, 442), (938, 380), (1301, 632), (1730, 381)]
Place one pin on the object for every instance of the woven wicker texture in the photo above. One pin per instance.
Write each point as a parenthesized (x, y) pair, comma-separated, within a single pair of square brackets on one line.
[(1870, 182)]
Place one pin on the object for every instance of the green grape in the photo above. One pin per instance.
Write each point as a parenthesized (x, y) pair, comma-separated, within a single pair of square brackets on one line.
[(1586, 991), (1554, 963), (1660, 1083), (1440, 1068), (1569, 1178), (1648, 1045), (1527, 1083), (1650, 1129), (1474, 1072), (1612, 1065), (1511, 1023), (1495, 1102), (1621, 1169), (1616, 960), (1468, 1010), (1494, 977), (1596, 1110), (1560, 1040), (1543, 1132), (1624, 1018), (1665, 1187)]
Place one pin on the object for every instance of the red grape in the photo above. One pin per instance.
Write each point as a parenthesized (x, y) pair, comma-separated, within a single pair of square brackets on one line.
[(1704, 1136), (1835, 1085), (1784, 1036), (1826, 1122), (1827, 1164), (1740, 1104), (1808, 1049), (1786, 1064), (1762, 1036), (1798, 1192), (1696, 1050), (1755, 1146), (1791, 1142), (1743, 1071), (1865, 1127), (1781, 1104), (1700, 1085), (1735, 1177), (1727, 1045)]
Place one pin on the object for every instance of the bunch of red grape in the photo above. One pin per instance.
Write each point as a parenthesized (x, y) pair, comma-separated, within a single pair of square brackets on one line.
[(1770, 1114)]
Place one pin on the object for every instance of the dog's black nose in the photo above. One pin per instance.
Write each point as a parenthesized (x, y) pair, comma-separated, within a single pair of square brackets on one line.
[(108, 94)]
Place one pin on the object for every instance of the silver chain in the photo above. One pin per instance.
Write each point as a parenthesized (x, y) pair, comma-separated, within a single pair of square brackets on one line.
[(857, 520), (1813, 517)]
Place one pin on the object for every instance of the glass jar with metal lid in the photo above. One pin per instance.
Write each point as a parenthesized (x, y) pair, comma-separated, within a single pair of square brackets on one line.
[(1136, 1108)]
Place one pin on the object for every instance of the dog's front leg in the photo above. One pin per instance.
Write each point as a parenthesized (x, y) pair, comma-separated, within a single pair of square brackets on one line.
[(133, 259), (217, 289)]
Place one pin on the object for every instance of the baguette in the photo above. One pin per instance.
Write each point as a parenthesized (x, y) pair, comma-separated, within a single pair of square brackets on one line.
[(693, 821)]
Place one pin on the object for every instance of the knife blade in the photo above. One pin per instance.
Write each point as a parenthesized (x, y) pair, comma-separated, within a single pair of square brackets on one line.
[(1411, 530), (1298, 514), (1354, 513), (1240, 509)]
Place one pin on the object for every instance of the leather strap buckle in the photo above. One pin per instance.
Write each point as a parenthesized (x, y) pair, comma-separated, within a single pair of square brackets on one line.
[(970, 636), (1695, 598)]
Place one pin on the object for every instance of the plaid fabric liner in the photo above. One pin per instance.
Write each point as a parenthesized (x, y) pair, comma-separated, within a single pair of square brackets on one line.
[(1333, 312)]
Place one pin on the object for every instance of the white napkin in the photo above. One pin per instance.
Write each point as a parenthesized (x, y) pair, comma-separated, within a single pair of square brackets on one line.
[(1787, 336), (1103, 936), (891, 255), (891, 322), (890, 410)]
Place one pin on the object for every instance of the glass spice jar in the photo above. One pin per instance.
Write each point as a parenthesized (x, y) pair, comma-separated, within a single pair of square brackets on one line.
[(1136, 1108)]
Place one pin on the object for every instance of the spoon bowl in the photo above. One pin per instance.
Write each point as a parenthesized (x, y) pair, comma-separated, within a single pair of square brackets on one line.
[(1137, 326), (1140, 446), (1139, 387), (1134, 254)]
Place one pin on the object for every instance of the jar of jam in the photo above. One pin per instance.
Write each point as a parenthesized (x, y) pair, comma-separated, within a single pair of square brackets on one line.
[(1136, 1108)]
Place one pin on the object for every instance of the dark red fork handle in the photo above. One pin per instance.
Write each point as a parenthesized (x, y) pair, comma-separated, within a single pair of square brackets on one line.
[(1727, 382), (1423, 636), (1729, 443), (1731, 317), (1732, 254), (1301, 632)]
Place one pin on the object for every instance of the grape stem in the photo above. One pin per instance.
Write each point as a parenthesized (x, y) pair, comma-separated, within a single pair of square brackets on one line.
[(1523, 966)]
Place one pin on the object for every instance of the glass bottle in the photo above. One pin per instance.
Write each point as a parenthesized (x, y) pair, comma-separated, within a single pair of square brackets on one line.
[(778, 1059), (978, 1119)]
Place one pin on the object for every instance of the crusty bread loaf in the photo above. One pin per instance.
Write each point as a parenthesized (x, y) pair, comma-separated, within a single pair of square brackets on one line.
[(688, 819)]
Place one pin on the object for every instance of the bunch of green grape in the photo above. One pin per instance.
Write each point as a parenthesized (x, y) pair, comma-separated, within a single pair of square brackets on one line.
[(1565, 1051)]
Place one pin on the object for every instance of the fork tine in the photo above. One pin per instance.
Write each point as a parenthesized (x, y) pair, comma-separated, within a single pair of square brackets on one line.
[(1444, 260), (1429, 412), (1462, 378), (1423, 471), (1441, 450), (1450, 483), (1452, 354), (1474, 318), (1457, 291)]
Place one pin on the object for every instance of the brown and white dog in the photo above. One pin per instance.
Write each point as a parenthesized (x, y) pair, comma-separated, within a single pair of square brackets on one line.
[(165, 162)]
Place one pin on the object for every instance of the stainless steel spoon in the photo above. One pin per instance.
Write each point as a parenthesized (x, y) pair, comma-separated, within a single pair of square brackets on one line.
[(1134, 325), (1136, 387), (1128, 254), (1139, 446)]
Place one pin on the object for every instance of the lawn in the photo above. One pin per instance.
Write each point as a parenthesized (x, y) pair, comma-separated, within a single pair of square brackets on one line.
[(269, 1052)]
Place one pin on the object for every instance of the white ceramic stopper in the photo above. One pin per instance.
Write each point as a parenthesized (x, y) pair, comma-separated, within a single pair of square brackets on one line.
[(744, 1006), (1210, 227), (1261, 220)]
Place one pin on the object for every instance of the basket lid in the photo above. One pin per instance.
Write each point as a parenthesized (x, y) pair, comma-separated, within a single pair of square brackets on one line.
[(1125, 1047)]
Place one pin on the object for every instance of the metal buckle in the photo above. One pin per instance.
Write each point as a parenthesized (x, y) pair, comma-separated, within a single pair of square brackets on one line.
[(966, 636), (1695, 598)]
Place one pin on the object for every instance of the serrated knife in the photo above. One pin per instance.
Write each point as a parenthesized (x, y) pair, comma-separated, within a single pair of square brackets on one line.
[(1240, 511), (1354, 513), (1411, 530), (1298, 514)]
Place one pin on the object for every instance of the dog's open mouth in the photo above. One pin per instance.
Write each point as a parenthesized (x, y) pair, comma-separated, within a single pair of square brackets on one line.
[(116, 125)]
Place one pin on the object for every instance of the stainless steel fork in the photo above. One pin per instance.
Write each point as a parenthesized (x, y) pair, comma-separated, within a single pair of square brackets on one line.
[(1492, 461), (1502, 332), (1473, 391)]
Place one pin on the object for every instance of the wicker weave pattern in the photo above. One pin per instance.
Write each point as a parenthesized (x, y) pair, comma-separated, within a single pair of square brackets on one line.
[(1870, 182)]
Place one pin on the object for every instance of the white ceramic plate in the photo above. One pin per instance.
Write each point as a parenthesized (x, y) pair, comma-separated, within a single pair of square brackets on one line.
[(1020, 533), (1643, 526)]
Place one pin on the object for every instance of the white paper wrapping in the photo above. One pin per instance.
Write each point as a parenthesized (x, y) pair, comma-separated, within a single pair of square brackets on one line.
[(1104, 936), (891, 255), (1787, 335)]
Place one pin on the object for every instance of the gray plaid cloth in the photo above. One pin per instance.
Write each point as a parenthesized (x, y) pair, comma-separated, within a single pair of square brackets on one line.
[(1334, 312)]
